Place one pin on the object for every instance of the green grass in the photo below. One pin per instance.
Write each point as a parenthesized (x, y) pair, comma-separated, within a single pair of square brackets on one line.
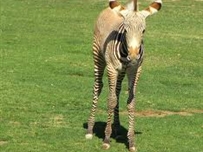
[(46, 78)]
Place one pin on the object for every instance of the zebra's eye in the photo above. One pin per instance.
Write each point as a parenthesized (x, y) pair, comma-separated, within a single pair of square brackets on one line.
[(143, 31)]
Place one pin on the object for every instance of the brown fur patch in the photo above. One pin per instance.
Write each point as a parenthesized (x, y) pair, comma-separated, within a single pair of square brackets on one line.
[(133, 52)]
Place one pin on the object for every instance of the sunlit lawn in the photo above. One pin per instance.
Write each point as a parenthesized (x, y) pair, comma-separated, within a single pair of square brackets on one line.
[(46, 78)]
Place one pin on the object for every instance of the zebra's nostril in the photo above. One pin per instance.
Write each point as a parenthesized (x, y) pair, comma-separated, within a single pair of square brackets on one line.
[(128, 58)]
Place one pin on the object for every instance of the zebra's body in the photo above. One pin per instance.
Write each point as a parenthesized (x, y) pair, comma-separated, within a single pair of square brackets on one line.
[(118, 46)]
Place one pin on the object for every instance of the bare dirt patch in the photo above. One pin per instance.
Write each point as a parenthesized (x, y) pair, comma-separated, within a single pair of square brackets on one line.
[(3, 142), (162, 113), (15, 123), (196, 111), (151, 113)]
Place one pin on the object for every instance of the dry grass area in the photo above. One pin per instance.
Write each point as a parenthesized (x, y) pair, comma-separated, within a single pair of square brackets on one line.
[(161, 113)]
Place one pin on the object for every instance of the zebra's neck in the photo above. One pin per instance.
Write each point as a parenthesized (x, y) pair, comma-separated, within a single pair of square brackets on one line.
[(121, 44), (121, 39)]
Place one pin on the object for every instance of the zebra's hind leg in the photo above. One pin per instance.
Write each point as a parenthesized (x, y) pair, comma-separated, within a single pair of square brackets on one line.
[(116, 124), (99, 66)]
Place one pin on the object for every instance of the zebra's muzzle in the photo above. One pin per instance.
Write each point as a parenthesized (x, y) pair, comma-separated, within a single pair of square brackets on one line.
[(128, 59), (125, 60), (137, 57)]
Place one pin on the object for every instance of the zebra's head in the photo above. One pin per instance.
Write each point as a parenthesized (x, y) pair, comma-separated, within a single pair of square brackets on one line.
[(134, 24)]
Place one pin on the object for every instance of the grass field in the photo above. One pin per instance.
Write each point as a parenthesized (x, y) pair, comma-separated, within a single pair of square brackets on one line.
[(46, 78)]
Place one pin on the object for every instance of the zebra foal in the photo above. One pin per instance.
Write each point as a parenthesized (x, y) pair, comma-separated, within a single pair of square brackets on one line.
[(118, 46)]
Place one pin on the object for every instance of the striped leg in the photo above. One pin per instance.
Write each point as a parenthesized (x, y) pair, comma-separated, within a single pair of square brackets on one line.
[(99, 66), (133, 75), (116, 110), (137, 75), (112, 102)]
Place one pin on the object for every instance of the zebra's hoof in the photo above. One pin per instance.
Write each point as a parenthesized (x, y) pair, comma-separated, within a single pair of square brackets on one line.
[(105, 146), (88, 136), (132, 149)]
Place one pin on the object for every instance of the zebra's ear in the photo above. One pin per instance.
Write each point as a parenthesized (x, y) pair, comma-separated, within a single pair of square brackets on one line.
[(153, 8), (118, 8)]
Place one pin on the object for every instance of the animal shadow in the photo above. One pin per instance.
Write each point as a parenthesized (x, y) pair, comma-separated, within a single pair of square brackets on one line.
[(99, 129)]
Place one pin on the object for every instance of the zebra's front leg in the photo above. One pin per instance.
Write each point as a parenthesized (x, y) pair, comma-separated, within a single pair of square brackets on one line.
[(131, 116), (116, 123), (132, 81), (112, 102)]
